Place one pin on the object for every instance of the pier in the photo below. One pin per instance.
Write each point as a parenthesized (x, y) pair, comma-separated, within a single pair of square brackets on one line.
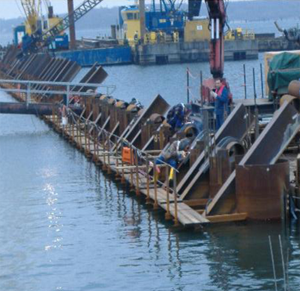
[(211, 186)]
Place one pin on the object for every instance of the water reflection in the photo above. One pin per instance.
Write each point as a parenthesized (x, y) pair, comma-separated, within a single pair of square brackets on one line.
[(67, 225), (53, 216)]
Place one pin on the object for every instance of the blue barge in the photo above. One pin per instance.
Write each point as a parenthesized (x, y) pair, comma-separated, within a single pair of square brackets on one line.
[(103, 56)]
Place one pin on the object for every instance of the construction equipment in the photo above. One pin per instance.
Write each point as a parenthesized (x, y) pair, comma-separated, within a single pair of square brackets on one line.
[(217, 16), (163, 18), (292, 34), (239, 34), (32, 10), (39, 39)]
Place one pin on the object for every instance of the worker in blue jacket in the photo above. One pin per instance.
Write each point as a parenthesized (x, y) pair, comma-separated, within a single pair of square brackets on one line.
[(221, 102), (176, 116)]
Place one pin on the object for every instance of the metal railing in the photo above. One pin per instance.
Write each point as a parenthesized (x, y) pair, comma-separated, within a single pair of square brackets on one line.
[(141, 164), (30, 87)]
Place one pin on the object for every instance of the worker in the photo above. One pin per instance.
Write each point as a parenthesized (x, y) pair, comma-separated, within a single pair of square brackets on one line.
[(173, 155), (147, 38), (136, 37), (221, 102), (161, 36), (176, 116), (135, 102), (175, 36)]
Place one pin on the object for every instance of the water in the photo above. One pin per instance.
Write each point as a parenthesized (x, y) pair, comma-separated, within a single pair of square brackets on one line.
[(67, 226), (144, 83), (64, 225)]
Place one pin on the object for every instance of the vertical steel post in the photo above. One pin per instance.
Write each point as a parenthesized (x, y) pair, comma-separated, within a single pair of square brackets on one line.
[(98, 149), (72, 24), (168, 214), (108, 153), (155, 205), (245, 81), (72, 129), (131, 170), (28, 94), (201, 84), (148, 179), (137, 188), (175, 199), (85, 139), (187, 85), (95, 157), (68, 96), (261, 80), (256, 109), (104, 154), (142, 20), (123, 171)]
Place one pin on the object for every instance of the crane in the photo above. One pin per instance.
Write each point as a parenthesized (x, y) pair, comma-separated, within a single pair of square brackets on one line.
[(32, 10), (292, 34), (217, 16), (78, 13), (39, 39), (218, 19)]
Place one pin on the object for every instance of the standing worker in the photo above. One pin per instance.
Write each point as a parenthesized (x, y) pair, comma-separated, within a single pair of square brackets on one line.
[(221, 102)]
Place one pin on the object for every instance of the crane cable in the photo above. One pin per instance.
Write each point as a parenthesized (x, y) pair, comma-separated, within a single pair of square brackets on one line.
[(19, 8)]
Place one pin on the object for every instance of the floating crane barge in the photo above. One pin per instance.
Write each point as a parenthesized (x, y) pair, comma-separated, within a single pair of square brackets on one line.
[(228, 175)]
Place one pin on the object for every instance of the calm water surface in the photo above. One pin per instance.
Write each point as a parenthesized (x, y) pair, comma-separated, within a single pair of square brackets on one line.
[(64, 225)]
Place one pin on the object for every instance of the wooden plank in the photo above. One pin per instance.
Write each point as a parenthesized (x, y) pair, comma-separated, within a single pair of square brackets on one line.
[(227, 217), (191, 212), (186, 215), (196, 202)]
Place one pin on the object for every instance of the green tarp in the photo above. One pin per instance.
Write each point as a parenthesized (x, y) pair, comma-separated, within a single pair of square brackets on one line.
[(284, 68)]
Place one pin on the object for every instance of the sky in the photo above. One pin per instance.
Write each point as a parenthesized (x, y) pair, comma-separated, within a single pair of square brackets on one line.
[(12, 8)]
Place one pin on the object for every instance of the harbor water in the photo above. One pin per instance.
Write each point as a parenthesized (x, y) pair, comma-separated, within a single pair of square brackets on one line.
[(65, 225)]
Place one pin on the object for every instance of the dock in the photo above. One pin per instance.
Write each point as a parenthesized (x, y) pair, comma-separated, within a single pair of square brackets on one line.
[(215, 183)]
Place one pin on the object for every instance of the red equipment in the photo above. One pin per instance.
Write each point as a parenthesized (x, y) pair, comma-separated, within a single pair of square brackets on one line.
[(217, 15)]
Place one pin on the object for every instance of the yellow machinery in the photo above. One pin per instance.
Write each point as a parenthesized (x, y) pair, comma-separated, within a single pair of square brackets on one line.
[(34, 21), (32, 11), (132, 30), (196, 30), (240, 34)]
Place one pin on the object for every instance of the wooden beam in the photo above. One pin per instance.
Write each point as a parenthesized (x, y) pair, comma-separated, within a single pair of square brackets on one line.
[(227, 217), (196, 202)]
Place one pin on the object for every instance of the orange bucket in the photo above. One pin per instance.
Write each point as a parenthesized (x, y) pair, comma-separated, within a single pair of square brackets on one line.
[(127, 156)]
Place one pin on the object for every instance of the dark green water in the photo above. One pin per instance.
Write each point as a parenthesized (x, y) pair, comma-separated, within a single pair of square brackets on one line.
[(64, 225)]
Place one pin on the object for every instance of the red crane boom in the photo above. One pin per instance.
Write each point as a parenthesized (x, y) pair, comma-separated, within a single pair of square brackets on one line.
[(217, 15)]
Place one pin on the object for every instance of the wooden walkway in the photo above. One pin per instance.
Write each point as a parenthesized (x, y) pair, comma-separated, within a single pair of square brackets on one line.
[(136, 176)]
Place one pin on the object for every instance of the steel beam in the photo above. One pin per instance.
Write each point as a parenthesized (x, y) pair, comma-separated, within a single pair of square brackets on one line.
[(158, 105), (33, 109), (236, 125), (265, 151), (72, 25)]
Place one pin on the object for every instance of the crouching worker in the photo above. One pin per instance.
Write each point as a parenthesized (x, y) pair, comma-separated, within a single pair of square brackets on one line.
[(173, 155), (176, 116)]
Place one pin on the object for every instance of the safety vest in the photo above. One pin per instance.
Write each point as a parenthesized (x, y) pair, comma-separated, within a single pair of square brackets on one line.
[(220, 90)]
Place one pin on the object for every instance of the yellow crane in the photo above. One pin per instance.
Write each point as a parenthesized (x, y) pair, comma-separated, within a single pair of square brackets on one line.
[(32, 11)]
